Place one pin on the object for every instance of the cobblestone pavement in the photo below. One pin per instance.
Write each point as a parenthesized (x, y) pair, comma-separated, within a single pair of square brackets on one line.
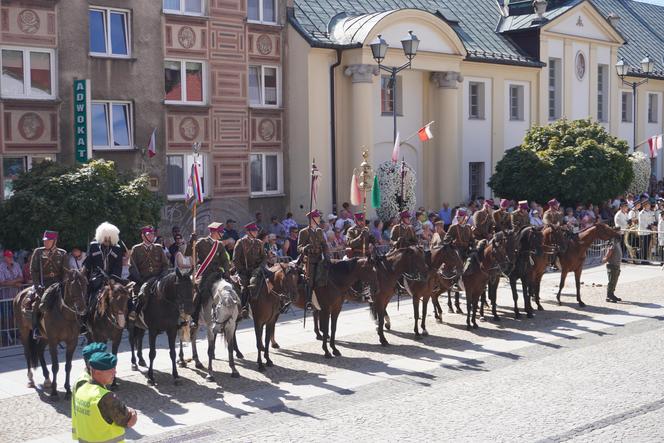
[(566, 375)]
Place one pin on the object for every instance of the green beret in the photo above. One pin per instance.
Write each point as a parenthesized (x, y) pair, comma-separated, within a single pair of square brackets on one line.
[(92, 348), (103, 361)]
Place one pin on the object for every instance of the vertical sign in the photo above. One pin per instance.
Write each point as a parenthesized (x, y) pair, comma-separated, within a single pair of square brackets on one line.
[(82, 130)]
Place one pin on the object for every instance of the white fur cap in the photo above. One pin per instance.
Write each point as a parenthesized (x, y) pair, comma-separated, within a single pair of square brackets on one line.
[(107, 230)]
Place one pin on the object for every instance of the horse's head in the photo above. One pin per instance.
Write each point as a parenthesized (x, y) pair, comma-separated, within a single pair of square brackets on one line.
[(113, 302), (451, 265), (410, 262), (605, 232), (225, 304), (496, 250), (75, 290), (184, 291), (288, 276)]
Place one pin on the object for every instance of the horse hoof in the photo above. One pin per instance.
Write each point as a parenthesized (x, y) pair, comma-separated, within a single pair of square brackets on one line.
[(529, 315), (540, 308), (450, 311), (142, 363), (182, 364), (459, 311), (68, 395), (468, 327), (134, 367), (319, 337), (261, 368), (388, 326), (150, 382), (47, 383), (269, 363), (328, 355), (275, 346), (199, 365), (235, 374), (31, 384), (384, 342), (425, 333), (239, 355), (475, 326), (581, 304), (336, 353), (496, 318), (209, 378), (177, 382)]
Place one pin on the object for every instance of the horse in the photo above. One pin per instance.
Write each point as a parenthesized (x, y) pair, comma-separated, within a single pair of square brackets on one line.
[(512, 248), (490, 256), (60, 323), (169, 297), (530, 240), (408, 262), (445, 267), (574, 255), (108, 319)]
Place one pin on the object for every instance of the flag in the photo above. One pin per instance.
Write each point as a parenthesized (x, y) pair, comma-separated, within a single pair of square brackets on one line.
[(425, 133), (355, 194), (194, 185), (395, 151), (375, 193), (314, 185), (152, 145), (655, 144)]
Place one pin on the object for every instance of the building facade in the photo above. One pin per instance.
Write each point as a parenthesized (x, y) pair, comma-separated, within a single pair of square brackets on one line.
[(485, 72), (205, 71)]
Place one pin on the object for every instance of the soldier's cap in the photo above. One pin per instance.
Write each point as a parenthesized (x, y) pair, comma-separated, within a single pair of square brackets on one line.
[(313, 213), (147, 229), (523, 204), (623, 203), (504, 203), (103, 361), (215, 227), (7, 253), (251, 227), (359, 216), (405, 214), (93, 348), (489, 202), (50, 235), (553, 202), (461, 212)]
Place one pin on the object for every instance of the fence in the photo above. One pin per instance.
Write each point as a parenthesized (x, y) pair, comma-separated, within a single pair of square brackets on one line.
[(643, 246), (8, 331)]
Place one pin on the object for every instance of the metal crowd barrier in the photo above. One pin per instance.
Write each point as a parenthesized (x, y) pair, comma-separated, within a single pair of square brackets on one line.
[(8, 332), (643, 246)]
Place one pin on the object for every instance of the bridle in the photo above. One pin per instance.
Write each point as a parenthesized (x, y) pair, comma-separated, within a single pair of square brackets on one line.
[(65, 290)]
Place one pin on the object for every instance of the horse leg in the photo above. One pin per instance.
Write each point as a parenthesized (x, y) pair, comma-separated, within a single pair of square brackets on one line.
[(416, 314), (238, 354), (273, 342), (258, 330), (468, 309), (132, 345), (193, 334), (27, 352), (474, 304), (212, 338), (515, 296), (563, 276), (482, 303), (229, 335), (437, 310), (44, 366), (115, 345), (172, 337), (577, 280), (153, 353), (71, 347), (181, 362), (333, 334), (55, 367), (269, 331), (388, 323), (450, 309), (537, 297), (317, 325), (425, 302), (325, 329), (139, 347), (457, 304), (526, 298)]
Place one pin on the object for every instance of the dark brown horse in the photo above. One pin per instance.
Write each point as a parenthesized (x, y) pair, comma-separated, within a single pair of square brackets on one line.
[(530, 248), (445, 267), (59, 324), (512, 248), (265, 305), (553, 240), (169, 298), (407, 262), (574, 255), (489, 257)]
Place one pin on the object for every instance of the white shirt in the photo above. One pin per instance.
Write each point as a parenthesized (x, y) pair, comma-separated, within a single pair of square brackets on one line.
[(76, 264), (339, 224), (633, 214), (660, 228), (621, 220), (646, 218)]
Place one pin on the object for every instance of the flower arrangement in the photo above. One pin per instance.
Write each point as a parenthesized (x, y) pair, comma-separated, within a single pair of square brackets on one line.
[(641, 167), (389, 180)]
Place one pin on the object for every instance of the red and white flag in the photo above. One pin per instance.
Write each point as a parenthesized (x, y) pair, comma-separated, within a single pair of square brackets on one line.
[(355, 194), (152, 145), (395, 151), (425, 133), (314, 184), (655, 144)]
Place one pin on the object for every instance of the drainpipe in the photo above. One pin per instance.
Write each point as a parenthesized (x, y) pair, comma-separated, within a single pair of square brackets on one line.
[(333, 131)]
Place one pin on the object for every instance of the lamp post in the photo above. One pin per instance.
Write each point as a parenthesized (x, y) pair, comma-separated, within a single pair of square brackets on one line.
[(379, 51), (647, 67)]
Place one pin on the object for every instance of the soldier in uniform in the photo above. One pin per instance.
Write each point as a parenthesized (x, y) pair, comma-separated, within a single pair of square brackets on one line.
[(403, 235), (501, 218), (212, 264), (312, 247), (47, 267), (460, 234), (147, 262), (104, 258), (249, 258), (439, 235), (553, 216), (520, 217), (358, 237), (483, 224)]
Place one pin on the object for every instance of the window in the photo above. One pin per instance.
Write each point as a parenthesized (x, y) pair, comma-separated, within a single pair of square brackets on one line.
[(627, 102), (555, 88), (187, 7), (266, 173), (27, 73), (178, 171), (12, 167), (192, 89), (603, 93), (476, 100), (653, 114), (262, 11), (112, 125), (516, 102), (264, 86), (387, 104), (109, 32), (476, 178)]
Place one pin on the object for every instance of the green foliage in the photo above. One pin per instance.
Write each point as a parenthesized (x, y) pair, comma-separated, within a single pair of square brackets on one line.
[(74, 201), (573, 161)]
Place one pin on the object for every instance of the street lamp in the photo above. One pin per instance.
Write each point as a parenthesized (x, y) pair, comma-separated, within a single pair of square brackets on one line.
[(379, 50), (622, 69)]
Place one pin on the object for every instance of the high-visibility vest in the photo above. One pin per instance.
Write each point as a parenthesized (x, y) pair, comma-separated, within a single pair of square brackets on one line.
[(80, 381), (87, 420)]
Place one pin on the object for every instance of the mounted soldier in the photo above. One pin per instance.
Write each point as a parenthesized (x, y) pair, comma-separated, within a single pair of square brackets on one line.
[(249, 259), (147, 262), (501, 218), (212, 263), (104, 259), (358, 237), (553, 216), (403, 235), (520, 217), (313, 250), (460, 234), (483, 225), (47, 267)]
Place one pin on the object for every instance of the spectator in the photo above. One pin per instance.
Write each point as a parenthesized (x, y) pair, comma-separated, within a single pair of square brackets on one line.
[(125, 265), (472, 208), (76, 258), (180, 261), (290, 244), (229, 244), (27, 279), (634, 213), (340, 235), (417, 223), (259, 222), (333, 243), (535, 218), (272, 249), (277, 229), (660, 235), (11, 278), (229, 231), (647, 222), (571, 221), (387, 230), (445, 214), (175, 247), (344, 217), (427, 233), (331, 220), (288, 222), (612, 259), (621, 219), (346, 206), (376, 231), (630, 200)]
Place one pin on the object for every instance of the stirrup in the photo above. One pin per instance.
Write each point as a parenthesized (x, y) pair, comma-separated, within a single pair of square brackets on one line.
[(36, 334), (285, 307)]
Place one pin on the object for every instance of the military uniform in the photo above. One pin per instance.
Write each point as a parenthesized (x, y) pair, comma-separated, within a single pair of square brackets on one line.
[(461, 237), (403, 236), (552, 217), (48, 266), (104, 258), (483, 224), (149, 259), (358, 239), (520, 219), (311, 245), (248, 257), (501, 220), (219, 262)]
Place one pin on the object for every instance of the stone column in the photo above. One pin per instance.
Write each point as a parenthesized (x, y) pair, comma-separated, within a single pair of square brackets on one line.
[(447, 109)]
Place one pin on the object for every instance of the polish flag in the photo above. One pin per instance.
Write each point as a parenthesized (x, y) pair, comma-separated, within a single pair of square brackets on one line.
[(655, 144), (152, 145), (425, 133), (355, 194), (395, 151)]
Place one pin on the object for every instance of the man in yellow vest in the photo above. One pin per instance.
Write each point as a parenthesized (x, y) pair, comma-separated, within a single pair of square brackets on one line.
[(82, 379), (98, 415)]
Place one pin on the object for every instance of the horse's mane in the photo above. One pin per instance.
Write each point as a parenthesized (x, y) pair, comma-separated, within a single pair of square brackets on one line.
[(344, 266)]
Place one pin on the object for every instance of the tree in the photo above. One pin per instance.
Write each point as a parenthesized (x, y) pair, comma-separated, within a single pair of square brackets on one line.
[(391, 187), (573, 161), (74, 201)]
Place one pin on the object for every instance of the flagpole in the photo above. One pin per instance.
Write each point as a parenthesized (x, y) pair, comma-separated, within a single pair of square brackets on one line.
[(645, 141), (403, 173), (193, 248), (415, 133)]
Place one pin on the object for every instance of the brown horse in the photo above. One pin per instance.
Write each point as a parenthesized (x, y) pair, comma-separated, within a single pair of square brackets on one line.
[(512, 248), (445, 268), (265, 305), (407, 262), (553, 240), (489, 257), (529, 249), (574, 255), (60, 323)]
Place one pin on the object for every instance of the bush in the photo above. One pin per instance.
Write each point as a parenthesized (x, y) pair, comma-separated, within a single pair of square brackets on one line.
[(74, 201)]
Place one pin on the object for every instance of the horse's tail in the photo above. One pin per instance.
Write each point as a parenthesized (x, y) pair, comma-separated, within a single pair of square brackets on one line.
[(33, 350), (372, 311)]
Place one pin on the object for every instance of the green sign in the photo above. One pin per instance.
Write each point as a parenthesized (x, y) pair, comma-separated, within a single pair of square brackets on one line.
[(82, 133)]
